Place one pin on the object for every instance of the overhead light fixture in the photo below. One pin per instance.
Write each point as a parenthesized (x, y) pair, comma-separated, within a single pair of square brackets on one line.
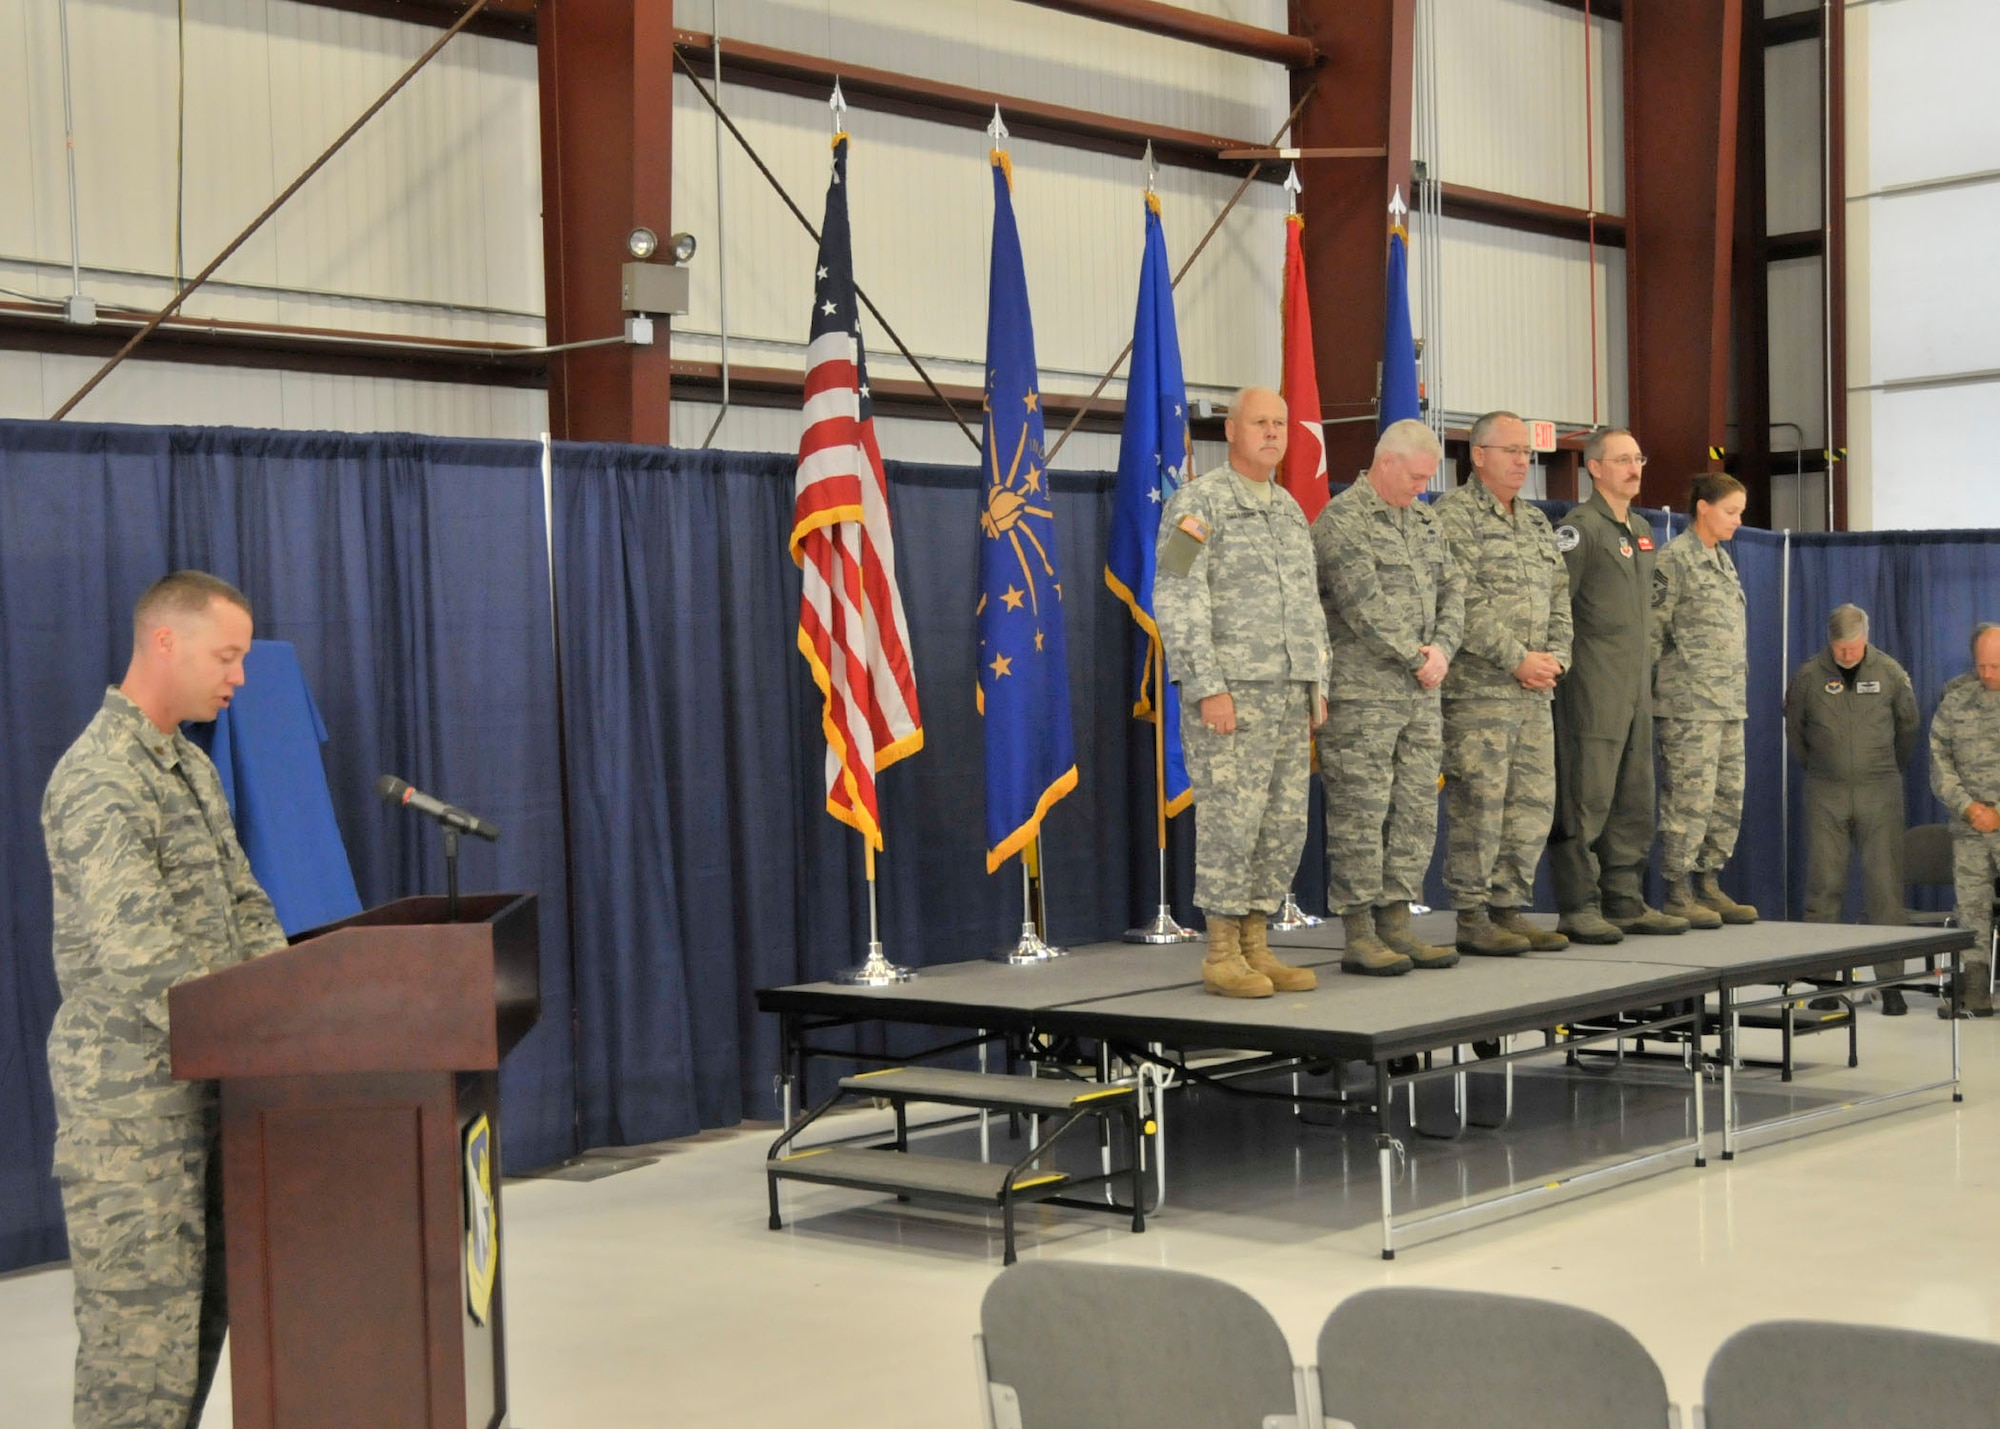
[(680, 248), (642, 243)]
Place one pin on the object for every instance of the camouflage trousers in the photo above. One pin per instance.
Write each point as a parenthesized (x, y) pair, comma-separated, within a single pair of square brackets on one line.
[(1499, 798), (1378, 762), (145, 1245), (1250, 791), (1975, 863), (1701, 794)]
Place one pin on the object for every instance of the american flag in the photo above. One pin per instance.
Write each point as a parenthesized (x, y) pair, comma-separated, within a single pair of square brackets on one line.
[(851, 626)]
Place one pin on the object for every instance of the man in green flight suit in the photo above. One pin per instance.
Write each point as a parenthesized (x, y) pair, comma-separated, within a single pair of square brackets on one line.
[(1604, 707)]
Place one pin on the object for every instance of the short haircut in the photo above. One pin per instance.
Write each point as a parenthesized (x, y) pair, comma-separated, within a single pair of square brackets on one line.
[(1848, 622), (1593, 449), (1242, 395), (1712, 486), (1483, 427), (181, 595), (1980, 632), (1408, 437)]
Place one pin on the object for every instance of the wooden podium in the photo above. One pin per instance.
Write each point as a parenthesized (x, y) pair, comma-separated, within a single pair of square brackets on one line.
[(353, 1064)]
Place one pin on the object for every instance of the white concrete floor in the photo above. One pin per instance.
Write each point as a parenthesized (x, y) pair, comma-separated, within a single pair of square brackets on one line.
[(658, 1296)]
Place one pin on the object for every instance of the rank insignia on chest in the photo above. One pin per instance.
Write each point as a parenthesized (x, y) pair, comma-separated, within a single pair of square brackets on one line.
[(1645, 543), (1834, 687), (1624, 546), (1867, 687)]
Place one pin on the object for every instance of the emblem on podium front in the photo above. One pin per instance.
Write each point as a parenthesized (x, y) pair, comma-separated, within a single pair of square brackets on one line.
[(482, 1221)]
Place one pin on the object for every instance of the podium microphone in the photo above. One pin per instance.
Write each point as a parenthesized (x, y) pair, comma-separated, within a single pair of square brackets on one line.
[(397, 791)]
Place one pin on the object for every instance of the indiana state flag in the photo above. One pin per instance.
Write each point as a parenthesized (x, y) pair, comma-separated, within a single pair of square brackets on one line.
[(1152, 463), (1023, 667)]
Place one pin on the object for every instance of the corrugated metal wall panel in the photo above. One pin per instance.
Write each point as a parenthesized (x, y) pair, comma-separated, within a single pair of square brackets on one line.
[(1034, 53), (921, 203), (1517, 320), (1791, 137), (1933, 108), (1511, 101), (1798, 376), (184, 394), (435, 207)]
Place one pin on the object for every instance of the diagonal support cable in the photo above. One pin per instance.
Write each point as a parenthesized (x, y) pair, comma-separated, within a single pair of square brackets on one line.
[(174, 304), (1243, 187), (807, 224)]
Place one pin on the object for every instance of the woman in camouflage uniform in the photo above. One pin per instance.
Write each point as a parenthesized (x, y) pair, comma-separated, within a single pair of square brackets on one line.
[(1698, 704)]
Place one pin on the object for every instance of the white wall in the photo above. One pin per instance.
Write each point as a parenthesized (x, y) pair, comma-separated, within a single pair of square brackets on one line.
[(1923, 289), (428, 223), (1515, 317)]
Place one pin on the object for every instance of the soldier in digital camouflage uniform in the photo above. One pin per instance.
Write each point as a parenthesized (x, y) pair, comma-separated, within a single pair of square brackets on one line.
[(1499, 741), (1852, 723), (1237, 609), (1604, 707), (1965, 775), (1395, 608), (1700, 665), (151, 889)]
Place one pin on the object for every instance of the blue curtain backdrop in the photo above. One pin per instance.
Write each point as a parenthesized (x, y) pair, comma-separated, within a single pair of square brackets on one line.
[(411, 575), (694, 862), (706, 866)]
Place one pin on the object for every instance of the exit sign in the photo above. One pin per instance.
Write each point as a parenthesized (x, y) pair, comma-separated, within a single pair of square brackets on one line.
[(1542, 436)]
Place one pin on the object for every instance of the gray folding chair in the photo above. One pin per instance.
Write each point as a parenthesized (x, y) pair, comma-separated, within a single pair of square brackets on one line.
[(1803, 1374), (1447, 1359), (1927, 863), (1070, 1346)]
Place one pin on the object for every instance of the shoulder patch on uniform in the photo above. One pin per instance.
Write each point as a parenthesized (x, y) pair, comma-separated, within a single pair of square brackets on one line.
[(1194, 526), (1568, 538)]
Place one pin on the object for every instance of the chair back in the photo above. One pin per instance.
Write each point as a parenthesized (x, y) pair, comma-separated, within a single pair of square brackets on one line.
[(1805, 1374), (1072, 1346), (1411, 1358), (1927, 855)]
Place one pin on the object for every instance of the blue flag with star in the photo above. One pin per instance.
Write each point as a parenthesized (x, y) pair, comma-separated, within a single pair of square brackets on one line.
[(1023, 665), (1401, 396), (1152, 463)]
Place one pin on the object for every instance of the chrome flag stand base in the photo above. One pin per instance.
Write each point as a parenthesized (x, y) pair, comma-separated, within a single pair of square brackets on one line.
[(878, 971), (1029, 950), (1292, 916), (1163, 929)]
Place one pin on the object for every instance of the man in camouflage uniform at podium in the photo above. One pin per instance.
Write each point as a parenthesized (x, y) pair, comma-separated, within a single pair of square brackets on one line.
[(151, 889)]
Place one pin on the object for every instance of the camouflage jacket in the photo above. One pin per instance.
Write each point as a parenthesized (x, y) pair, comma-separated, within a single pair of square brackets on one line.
[(1389, 586), (1516, 592), (1965, 750), (1700, 661), (1244, 608), (151, 889)]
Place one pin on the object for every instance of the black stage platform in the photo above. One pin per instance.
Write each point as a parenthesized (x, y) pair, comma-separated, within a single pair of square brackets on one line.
[(1146, 1010)]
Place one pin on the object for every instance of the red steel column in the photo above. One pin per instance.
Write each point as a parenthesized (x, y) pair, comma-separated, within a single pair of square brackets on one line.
[(607, 88), (1363, 101), (1682, 65)]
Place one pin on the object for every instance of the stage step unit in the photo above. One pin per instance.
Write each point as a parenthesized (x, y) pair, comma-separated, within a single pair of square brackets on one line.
[(893, 1169)]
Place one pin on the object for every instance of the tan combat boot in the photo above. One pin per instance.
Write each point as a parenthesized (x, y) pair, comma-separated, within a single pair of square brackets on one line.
[(1479, 935), (1257, 953), (1587, 925), (1224, 972), (1710, 894), (1542, 940), (1682, 902), (1392, 926), (1635, 917), (1365, 953)]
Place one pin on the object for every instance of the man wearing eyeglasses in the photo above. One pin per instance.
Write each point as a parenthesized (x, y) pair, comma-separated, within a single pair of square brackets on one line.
[(1604, 707), (1499, 744)]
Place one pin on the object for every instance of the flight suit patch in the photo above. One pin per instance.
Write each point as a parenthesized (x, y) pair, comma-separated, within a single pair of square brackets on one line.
[(1625, 546), (1868, 687), (1568, 538), (1834, 687)]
